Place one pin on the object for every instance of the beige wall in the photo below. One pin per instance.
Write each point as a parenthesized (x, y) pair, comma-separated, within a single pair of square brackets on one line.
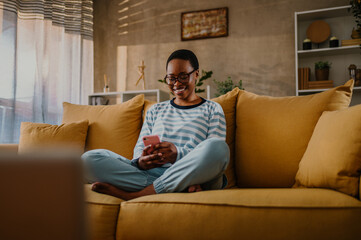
[(259, 49)]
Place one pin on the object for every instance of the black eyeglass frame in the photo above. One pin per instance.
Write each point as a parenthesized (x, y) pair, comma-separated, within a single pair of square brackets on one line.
[(186, 80)]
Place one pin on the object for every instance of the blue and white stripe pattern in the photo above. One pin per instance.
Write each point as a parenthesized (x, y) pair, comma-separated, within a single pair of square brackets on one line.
[(184, 126)]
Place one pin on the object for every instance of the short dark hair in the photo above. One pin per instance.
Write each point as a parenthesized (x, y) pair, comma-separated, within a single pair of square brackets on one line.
[(185, 55)]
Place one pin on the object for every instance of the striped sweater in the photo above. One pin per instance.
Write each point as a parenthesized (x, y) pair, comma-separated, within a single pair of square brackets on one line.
[(184, 126)]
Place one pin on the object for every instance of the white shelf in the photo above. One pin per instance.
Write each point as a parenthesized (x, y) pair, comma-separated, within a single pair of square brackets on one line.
[(355, 49), (101, 94), (127, 95), (323, 13), (160, 95), (321, 90)]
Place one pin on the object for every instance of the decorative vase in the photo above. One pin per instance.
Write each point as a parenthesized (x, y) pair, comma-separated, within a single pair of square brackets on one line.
[(356, 33), (322, 74)]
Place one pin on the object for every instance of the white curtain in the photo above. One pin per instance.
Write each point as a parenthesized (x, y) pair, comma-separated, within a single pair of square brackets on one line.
[(46, 58)]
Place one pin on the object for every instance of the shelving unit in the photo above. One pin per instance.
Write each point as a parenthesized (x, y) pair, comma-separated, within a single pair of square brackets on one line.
[(356, 89), (154, 94), (341, 22)]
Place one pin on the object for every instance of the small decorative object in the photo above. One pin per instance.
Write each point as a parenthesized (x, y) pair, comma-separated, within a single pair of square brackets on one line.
[(352, 71), (142, 76), (322, 70), (210, 23), (318, 31), (307, 44), (106, 83), (333, 42), (358, 77), (205, 76), (226, 86)]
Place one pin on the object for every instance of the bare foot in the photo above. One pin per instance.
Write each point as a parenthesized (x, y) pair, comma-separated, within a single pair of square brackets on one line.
[(195, 188), (111, 190)]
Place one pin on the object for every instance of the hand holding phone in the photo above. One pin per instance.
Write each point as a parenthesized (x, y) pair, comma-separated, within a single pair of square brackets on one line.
[(151, 140)]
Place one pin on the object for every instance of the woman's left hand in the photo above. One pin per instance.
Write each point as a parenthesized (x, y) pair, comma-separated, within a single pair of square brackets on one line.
[(168, 151)]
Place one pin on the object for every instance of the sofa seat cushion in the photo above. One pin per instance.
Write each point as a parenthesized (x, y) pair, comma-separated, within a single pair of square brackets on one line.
[(281, 197), (249, 213), (102, 212)]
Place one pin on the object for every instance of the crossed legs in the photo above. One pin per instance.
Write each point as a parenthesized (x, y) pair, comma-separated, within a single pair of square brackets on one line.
[(114, 175)]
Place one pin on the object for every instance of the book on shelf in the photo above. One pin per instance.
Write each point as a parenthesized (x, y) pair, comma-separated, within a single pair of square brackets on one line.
[(351, 42), (320, 84), (303, 77), (306, 79)]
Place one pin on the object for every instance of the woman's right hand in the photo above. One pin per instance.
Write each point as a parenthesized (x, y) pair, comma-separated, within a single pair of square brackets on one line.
[(149, 161)]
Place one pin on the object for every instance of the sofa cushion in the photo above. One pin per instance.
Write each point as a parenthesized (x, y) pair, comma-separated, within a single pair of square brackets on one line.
[(147, 105), (36, 136), (242, 213), (228, 103), (102, 214), (113, 127), (333, 156), (272, 133), (12, 147)]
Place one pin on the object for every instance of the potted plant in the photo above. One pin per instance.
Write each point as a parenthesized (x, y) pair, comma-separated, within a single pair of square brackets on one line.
[(356, 11), (322, 70), (226, 86)]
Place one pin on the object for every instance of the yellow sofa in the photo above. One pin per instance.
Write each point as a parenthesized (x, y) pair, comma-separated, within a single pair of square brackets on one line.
[(268, 138)]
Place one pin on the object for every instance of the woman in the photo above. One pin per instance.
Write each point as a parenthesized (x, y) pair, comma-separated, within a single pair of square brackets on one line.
[(192, 154)]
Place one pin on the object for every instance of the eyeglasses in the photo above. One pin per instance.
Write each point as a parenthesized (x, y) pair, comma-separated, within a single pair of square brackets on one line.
[(182, 78)]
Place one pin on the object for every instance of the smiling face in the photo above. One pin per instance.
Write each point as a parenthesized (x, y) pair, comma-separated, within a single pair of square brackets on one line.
[(183, 92)]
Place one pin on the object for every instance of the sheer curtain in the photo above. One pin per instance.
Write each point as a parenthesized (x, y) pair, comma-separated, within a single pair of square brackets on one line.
[(46, 57)]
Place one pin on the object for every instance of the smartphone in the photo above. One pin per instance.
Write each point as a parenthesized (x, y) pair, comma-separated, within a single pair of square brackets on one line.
[(151, 140)]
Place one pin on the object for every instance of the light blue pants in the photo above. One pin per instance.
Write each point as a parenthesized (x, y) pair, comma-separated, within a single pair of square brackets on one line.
[(204, 165)]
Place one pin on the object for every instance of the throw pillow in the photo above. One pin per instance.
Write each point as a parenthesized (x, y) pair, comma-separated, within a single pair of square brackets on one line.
[(112, 127), (228, 103), (333, 156), (35, 136), (272, 133)]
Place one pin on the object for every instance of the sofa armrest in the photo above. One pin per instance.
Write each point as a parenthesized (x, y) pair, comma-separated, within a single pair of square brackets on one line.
[(9, 148)]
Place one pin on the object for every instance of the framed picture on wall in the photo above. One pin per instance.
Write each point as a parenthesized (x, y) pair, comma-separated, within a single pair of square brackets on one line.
[(202, 24)]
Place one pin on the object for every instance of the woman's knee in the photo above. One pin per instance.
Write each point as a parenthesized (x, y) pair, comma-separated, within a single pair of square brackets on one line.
[(93, 157), (218, 150)]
